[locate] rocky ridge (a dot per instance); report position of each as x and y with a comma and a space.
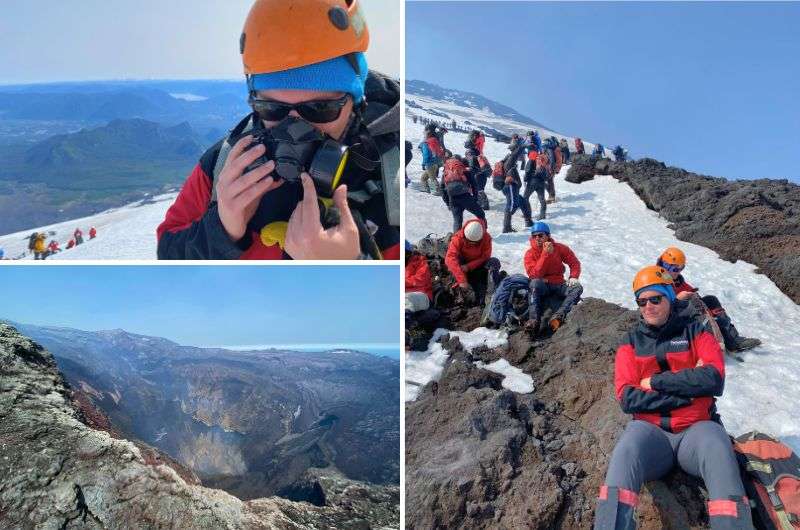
58, 472
757, 221
481, 456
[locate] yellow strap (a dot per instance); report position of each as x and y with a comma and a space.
274, 233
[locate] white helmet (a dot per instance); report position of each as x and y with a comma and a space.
473, 231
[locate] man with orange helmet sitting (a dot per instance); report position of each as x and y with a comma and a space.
312, 172
667, 372
674, 261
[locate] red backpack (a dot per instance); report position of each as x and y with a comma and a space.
454, 170
771, 477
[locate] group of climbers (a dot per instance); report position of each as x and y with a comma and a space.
540, 160
41, 250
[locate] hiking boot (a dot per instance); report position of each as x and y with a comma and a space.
483, 200
528, 222
744, 344
541, 216
424, 187
555, 323
532, 327
507, 228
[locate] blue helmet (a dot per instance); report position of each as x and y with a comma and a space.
540, 227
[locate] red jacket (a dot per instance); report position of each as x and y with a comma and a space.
579, 146
550, 267
418, 276
53, 246
191, 230
682, 286
435, 147
479, 141
532, 155
686, 369
92, 233
559, 158
461, 251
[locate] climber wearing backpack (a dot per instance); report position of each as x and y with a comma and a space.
599, 151
537, 177
460, 187
668, 370
469, 259
619, 154
432, 156
313, 171
484, 171
674, 261
511, 187
579, 149
549, 148
564, 150
39, 247
544, 264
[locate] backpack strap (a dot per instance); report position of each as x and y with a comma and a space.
243, 127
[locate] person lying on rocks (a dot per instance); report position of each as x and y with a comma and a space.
667, 372
674, 261
469, 259
544, 264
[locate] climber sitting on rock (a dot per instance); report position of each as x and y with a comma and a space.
544, 264
667, 372
469, 259
674, 260
420, 318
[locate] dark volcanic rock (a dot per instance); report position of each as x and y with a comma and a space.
480, 456
57, 472
757, 221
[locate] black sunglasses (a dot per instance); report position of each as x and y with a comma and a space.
540, 234
315, 111
655, 300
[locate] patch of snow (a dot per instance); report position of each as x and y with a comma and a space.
423, 367
515, 379
124, 233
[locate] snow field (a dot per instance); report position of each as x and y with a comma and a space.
124, 233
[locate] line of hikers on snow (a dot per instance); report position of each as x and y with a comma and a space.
41, 251
669, 368
463, 181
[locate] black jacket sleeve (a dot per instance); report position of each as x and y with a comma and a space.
691, 382
637, 400
203, 239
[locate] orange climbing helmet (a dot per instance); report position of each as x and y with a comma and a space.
286, 35
674, 258
651, 275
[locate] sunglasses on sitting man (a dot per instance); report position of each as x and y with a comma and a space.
671, 268
315, 111
655, 300
540, 235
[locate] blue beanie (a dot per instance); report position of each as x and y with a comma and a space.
666, 290
334, 75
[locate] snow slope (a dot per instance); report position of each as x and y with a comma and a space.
614, 235
125, 233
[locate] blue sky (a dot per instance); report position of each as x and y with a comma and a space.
710, 86
211, 305
51, 40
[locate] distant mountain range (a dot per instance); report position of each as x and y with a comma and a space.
251, 423
467, 99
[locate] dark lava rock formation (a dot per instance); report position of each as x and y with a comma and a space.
481, 456
757, 221
57, 471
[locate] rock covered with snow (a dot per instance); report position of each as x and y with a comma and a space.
757, 221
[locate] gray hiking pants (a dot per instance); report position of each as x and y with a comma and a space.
431, 174
646, 452
540, 288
